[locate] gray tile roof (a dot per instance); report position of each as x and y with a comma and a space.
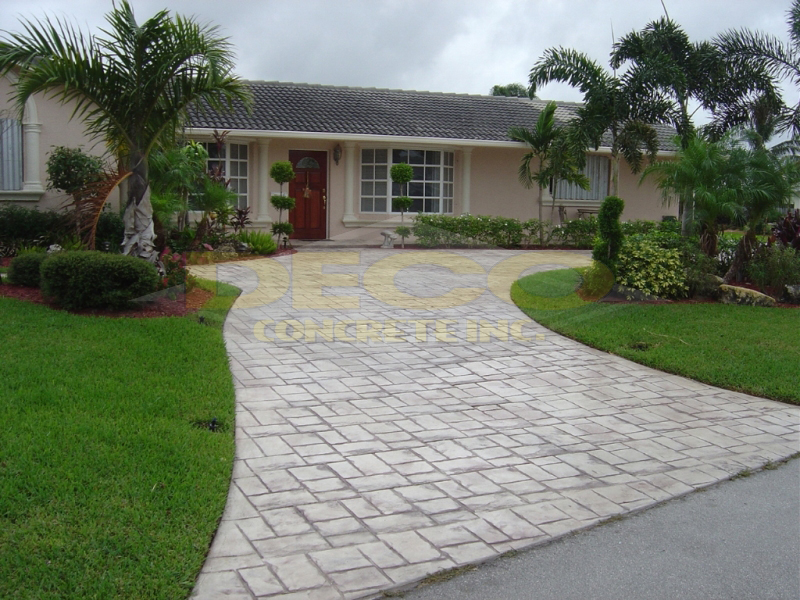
306, 108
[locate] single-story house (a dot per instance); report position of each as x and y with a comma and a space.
342, 142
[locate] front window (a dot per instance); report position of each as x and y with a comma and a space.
230, 160
10, 154
431, 188
596, 170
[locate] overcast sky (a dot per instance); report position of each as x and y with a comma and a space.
463, 46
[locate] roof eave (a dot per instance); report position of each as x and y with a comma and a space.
380, 139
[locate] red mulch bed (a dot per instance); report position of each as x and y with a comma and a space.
162, 307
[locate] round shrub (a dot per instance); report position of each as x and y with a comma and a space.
402, 173
282, 229
645, 266
97, 279
283, 202
24, 270
401, 203
281, 171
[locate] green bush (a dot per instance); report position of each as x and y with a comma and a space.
578, 232
283, 202
280, 229
96, 279
281, 172
645, 266
21, 226
433, 230
774, 267
534, 231
401, 203
72, 170
111, 230
259, 242
24, 270
610, 237
402, 173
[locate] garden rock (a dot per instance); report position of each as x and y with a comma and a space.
793, 294
389, 237
709, 286
731, 294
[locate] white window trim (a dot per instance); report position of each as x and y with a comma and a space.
241, 142
389, 164
32, 188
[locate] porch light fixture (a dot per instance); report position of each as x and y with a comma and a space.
337, 154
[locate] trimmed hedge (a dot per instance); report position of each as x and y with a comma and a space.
24, 270
433, 230
96, 279
22, 226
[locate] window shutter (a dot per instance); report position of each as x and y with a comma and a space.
10, 154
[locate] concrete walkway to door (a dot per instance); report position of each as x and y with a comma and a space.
398, 416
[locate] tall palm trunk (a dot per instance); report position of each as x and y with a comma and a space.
614, 174
138, 219
541, 223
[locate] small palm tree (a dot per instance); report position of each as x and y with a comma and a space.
621, 106
132, 88
557, 158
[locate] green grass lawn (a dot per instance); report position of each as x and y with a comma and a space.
108, 488
743, 348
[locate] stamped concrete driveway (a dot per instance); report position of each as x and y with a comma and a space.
397, 416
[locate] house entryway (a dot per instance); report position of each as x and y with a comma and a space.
309, 189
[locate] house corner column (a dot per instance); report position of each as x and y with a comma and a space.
263, 182
466, 178
350, 165
30, 167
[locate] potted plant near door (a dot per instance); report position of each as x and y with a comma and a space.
282, 172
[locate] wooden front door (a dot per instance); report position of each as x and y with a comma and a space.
309, 189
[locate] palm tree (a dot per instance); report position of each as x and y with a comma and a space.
558, 160
132, 88
752, 50
710, 177
622, 106
772, 180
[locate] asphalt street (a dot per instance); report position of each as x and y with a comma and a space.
738, 540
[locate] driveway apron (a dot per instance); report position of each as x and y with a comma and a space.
397, 415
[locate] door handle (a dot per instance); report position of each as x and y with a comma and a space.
324, 199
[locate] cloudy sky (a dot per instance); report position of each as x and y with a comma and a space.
462, 46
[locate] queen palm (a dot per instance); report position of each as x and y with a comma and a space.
753, 50
131, 87
623, 107
557, 158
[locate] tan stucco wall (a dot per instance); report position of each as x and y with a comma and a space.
494, 185
57, 129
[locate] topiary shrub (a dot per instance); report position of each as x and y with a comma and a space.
96, 280
281, 172
645, 266
24, 270
610, 236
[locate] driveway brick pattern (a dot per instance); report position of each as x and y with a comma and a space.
369, 464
